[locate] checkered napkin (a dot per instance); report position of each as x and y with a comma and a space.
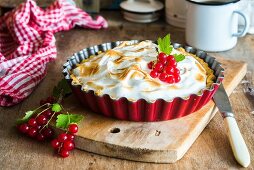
27, 44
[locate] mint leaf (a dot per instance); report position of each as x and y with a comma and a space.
179, 57
165, 45
63, 120
27, 116
56, 107
159, 41
62, 88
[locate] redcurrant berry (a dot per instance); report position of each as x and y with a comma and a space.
162, 57
32, 132
177, 71
73, 128
172, 63
62, 137
154, 74
164, 62
38, 127
177, 78
23, 128
48, 113
64, 153
70, 137
32, 122
158, 67
48, 132
150, 65
169, 70
163, 76
41, 120
55, 144
171, 60
40, 137
68, 145
170, 79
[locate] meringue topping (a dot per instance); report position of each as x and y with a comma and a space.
123, 72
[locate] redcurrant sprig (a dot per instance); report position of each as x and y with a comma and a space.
64, 143
37, 125
165, 68
36, 122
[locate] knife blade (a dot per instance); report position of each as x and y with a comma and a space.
236, 140
222, 101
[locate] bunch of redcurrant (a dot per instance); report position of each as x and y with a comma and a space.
37, 123
37, 126
64, 143
165, 68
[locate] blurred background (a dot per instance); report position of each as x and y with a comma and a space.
91, 6
140, 11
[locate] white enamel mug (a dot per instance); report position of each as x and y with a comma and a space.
213, 25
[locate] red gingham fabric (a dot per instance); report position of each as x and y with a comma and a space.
27, 44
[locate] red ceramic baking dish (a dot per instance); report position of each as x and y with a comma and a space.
142, 110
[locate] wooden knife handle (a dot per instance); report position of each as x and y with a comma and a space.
237, 143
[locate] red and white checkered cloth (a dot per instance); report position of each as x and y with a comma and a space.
27, 44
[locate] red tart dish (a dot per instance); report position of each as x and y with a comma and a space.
117, 80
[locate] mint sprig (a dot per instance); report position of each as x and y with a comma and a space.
164, 45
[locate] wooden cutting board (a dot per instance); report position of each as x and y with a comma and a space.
159, 142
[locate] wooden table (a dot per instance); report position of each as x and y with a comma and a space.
210, 151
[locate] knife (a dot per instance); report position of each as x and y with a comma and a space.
236, 140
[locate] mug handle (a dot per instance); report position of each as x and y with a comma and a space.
246, 24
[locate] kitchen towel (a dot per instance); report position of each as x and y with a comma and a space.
27, 44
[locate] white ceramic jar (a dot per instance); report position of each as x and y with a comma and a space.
141, 11
175, 12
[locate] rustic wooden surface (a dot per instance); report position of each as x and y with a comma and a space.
157, 142
211, 150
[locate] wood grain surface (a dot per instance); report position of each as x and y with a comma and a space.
211, 150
